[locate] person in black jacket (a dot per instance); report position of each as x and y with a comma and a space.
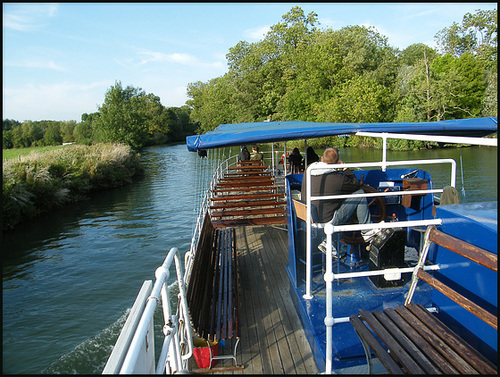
335, 180
295, 160
244, 155
311, 156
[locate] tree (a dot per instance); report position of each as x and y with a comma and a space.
121, 117
9, 124
357, 100
212, 102
477, 35
67, 131
324, 69
414, 84
52, 135
7, 139
459, 87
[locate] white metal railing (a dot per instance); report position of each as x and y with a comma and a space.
178, 336
309, 198
216, 173
330, 229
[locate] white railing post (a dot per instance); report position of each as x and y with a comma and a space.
329, 302
384, 151
171, 351
308, 294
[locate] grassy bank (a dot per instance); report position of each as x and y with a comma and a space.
9, 154
35, 183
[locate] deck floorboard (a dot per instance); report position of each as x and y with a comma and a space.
272, 338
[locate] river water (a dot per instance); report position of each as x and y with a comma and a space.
70, 277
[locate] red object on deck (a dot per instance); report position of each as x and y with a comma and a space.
202, 352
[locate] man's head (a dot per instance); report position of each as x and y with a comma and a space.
330, 156
255, 148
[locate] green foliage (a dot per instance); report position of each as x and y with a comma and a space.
130, 116
477, 35
298, 72
37, 133
35, 183
120, 117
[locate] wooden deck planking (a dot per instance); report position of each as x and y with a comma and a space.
272, 338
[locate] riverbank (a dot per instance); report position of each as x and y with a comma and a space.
35, 183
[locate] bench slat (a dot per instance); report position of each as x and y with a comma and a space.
236, 306
472, 307
229, 248
397, 351
428, 349
405, 342
373, 343
465, 249
423, 324
215, 285
247, 178
478, 361
240, 197
248, 203
218, 190
271, 220
212, 291
249, 167
250, 212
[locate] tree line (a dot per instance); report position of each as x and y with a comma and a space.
299, 72
128, 115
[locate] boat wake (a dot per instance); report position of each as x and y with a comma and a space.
90, 356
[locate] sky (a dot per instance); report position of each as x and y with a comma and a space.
59, 59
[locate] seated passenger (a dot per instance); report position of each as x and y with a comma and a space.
244, 155
337, 181
295, 160
311, 156
256, 155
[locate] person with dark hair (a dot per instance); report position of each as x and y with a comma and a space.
336, 180
244, 155
295, 160
256, 155
311, 156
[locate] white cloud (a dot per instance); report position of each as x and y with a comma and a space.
257, 33
421, 14
36, 64
182, 59
61, 101
27, 17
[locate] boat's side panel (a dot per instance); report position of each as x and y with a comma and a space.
474, 223
146, 360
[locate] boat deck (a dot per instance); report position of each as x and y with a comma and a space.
272, 340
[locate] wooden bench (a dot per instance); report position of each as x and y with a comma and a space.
412, 340
212, 292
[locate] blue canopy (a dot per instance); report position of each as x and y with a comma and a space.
226, 135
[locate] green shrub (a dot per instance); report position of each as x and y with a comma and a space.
35, 183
